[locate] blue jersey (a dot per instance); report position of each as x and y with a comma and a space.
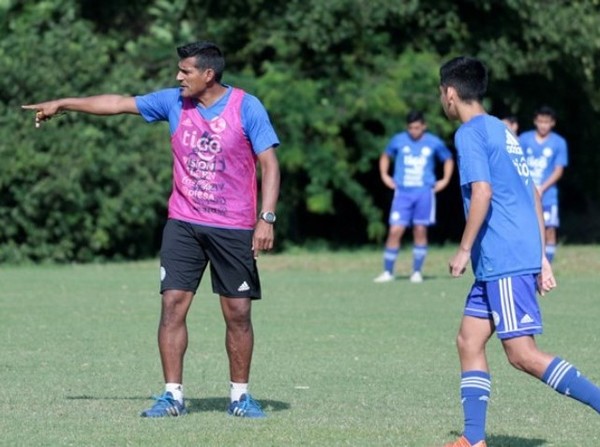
543, 158
166, 105
509, 241
415, 159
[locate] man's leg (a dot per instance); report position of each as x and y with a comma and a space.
419, 251
475, 383
523, 354
239, 343
390, 252
550, 234
172, 333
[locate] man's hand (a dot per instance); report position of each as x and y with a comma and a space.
545, 279
458, 263
263, 238
44, 111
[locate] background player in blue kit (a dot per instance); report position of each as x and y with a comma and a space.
503, 239
547, 156
414, 152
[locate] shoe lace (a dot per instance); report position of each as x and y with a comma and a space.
249, 403
163, 401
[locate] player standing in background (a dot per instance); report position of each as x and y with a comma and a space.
503, 238
415, 152
218, 133
512, 123
547, 157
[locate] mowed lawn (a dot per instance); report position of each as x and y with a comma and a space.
339, 360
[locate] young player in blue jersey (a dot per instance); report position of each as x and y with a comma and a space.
547, 157
414, 152
503, 238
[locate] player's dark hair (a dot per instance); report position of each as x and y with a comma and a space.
510, 118
207, 54
414, 116
467, 75
545, 110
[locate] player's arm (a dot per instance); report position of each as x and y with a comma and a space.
95, 105
481, 197
545, 279
448, 169
384, 171
264, 234
552, 179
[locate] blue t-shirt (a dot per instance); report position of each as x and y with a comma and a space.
543, 158
414, 160
166, 105
509, 241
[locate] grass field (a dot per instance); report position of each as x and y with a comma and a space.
339, 361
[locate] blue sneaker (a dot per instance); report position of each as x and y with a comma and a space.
246, 407
165, 406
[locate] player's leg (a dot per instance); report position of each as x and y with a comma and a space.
563, 377
518, 320
235, 278
475, 330
419, 252
182, 264
398, 222
423, 216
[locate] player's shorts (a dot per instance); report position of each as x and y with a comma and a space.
188, 248
510, 302
551, 216
413, 207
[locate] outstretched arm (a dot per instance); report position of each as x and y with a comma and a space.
95, 105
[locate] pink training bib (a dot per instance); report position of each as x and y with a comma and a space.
214, 168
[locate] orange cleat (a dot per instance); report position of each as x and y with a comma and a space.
463, 442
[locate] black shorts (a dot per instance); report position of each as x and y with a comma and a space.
188, 248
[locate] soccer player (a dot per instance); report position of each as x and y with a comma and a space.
218, 133
415, 152
503, 239
547, 157
512, 123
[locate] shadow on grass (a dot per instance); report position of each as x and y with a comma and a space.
196, 405
508, 441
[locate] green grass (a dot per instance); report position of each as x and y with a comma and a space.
338, 360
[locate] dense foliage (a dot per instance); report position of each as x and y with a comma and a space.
337, 77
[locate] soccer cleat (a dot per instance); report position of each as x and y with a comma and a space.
246, 407
165, 406
416, 277
464, 442
384, 277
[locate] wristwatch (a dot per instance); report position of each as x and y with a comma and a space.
268, 217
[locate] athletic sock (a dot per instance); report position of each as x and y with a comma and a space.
236, 390
389, 259
567, 380
550, 251
176, 389
475, 388
419, 254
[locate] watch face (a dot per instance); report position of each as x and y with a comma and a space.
268, 217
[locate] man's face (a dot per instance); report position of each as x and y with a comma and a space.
192, 81
416, 129
543, 124
445, 98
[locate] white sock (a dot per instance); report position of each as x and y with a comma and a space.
236, 390
176, 389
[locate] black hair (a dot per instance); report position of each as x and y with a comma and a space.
545, 110
415, 115
510, 118
468, 75
207, 54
